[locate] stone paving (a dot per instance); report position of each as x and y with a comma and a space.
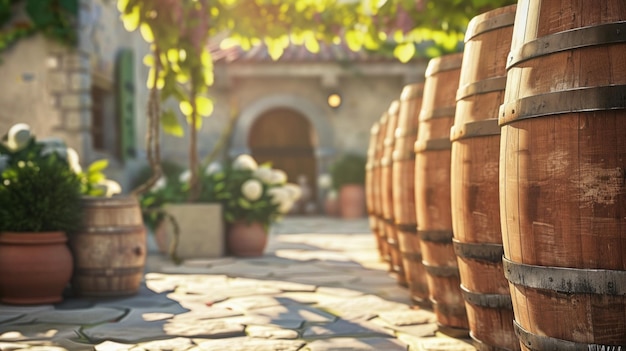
320, 286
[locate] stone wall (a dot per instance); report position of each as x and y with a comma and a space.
49, 85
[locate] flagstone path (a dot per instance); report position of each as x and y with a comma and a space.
320, 286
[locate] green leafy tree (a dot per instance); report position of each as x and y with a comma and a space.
182, 66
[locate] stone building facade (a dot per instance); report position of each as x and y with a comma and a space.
281, 106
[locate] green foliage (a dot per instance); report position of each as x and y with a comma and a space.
181, 65
54, 18
349, 169
38, 191
227, 189
94, 176
224, 184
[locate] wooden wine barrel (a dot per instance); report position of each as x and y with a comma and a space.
370, 183
562, 174
432, 190
474, 193
403, 180
395, 264
377, 189
110, 248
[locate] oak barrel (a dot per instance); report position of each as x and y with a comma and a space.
377, 190
562, 174
403, 179
370, 183
386, 175
475, 138
110, 248
432, 190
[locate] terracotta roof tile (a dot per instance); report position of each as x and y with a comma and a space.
297, 53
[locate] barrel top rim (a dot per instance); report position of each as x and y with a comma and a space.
501, 12
444, 63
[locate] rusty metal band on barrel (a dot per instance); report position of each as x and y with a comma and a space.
433, 145
487, 300
436, 236
567, 101
412, 256
478, 25
406, 156
481, 87
442, 271
479, 251
538, 342
407, 228
475, 129
602, 34
566, 280
440, 112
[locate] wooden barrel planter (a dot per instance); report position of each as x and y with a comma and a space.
432, 191
386, 175
377, 207
562, 170
110, 248
370, 184
474, 194
403, 180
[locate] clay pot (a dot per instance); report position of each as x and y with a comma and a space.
35, 268
352, 201
246, 240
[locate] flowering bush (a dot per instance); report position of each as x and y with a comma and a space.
254, 193
41, 183
246, 190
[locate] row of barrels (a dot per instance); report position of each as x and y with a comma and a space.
496, 188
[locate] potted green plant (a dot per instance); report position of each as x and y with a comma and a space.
253, 197
348, 178
39, 204
183, 228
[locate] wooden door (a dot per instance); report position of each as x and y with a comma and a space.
286, 139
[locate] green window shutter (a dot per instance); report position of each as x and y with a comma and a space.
125, 97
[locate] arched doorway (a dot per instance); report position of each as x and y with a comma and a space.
286, 139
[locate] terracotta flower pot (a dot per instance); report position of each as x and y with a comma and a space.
246, 240
35, 268
352, 201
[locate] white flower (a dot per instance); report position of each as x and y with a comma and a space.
279, 195
110, 187
185, 176
18, 136
212, 168
73, 160
264, 174
245, 162
285, 206
159, 184
113, 187
294, 190
278, 177
324, 181
252, 189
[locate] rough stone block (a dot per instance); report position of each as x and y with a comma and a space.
80, 81
75, 101
201, 229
